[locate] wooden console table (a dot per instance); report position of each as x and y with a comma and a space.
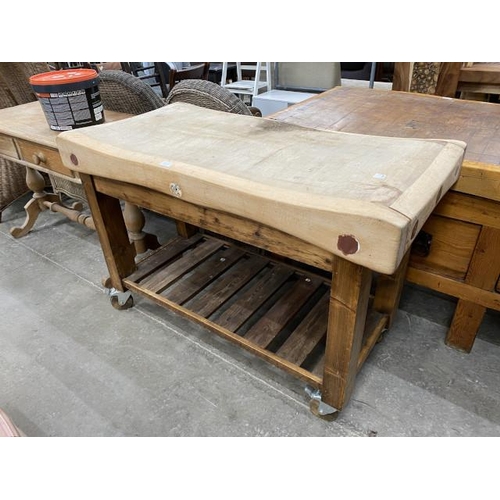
328, 208
459, 253
26, 138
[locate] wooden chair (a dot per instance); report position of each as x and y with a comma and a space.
195, 72
251, 85
154, 74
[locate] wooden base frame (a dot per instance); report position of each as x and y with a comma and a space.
318, 326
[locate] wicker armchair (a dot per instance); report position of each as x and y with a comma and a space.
207, 94
15, 89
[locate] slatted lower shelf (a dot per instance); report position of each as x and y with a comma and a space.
277, 311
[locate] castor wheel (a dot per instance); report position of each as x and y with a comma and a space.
314, 406
119, 304
318, 407
120, 300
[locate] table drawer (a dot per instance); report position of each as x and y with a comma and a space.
44, 157
450, 249
8, 147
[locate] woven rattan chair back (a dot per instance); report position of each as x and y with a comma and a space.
207, 94
125, 93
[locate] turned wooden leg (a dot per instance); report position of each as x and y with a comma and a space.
349, 299
135, 221
35, 182
483, 273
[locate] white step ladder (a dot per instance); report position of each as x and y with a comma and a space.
250, 87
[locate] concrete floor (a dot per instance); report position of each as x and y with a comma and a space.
71, 365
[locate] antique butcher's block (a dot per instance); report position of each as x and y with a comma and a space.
329, 208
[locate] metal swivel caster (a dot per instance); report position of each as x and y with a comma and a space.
318, 407
120, 300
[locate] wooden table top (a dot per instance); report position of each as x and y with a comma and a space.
405, 114
316, 185
28, 122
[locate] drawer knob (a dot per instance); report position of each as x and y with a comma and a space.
39, 158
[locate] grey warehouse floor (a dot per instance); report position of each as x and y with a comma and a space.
72, 365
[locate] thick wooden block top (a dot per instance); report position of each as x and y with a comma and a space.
361, 197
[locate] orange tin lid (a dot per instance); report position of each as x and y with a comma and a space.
63, 76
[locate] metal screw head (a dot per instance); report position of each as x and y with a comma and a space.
175, 189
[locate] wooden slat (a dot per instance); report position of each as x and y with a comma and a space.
307, 335
161, 256
161, 279
226, 286
250, 300
202, 275
481, 179
281, 313
470, 209
283, 364
454, 288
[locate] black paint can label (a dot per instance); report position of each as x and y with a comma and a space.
70, 99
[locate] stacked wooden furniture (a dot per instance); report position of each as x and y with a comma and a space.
475, 81
459, 251
329, 209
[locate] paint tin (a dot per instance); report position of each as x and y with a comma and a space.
69, 98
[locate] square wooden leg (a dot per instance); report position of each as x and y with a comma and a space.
118, 252
483, 273
349, 299
389, 289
